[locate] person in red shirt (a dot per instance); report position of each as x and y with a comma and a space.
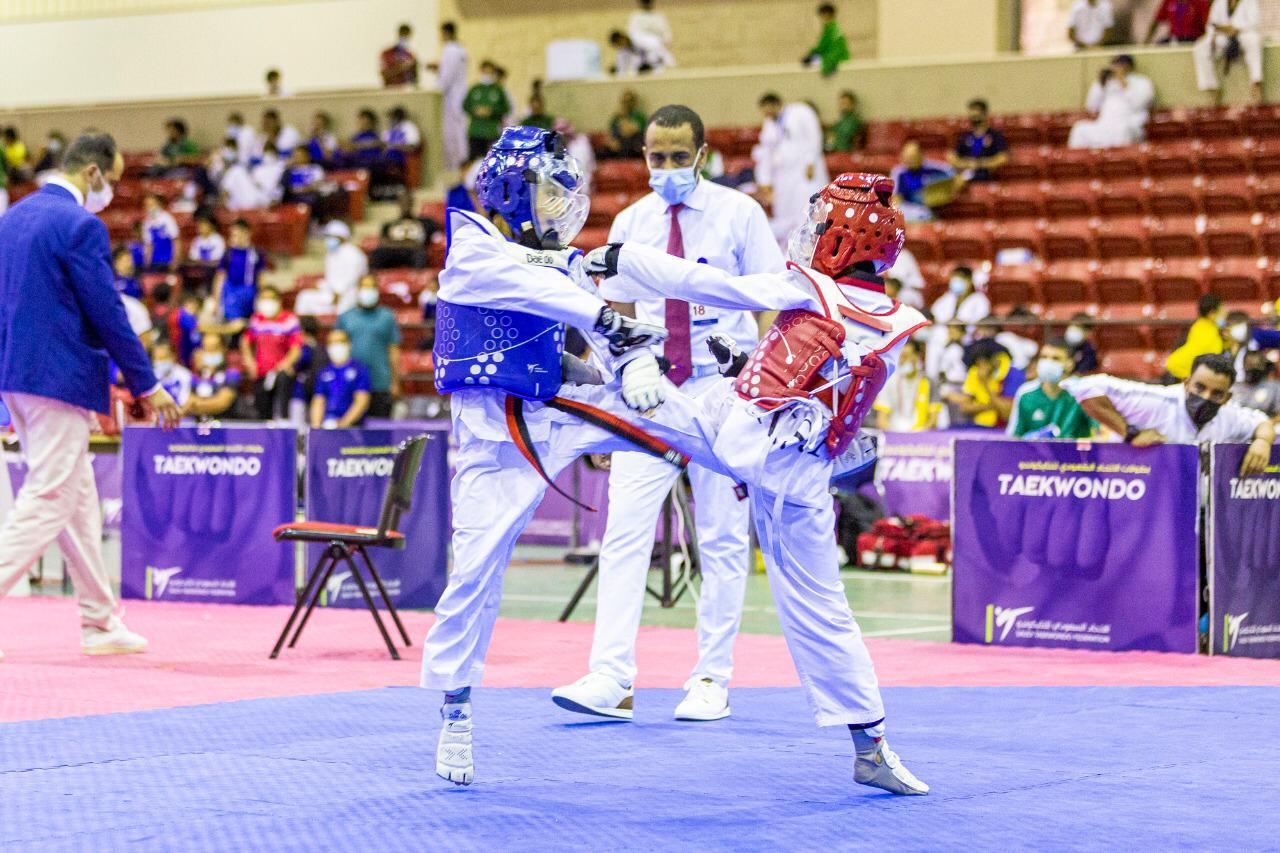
397, 64
1186, 20
271, 347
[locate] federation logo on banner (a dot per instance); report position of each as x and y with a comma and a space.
1003, 618
1231, 630
158, 580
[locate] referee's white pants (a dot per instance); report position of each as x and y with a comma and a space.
58, 500
638, 485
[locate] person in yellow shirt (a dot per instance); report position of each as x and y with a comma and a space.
1204, 337
15, 150
906, 404
987, 394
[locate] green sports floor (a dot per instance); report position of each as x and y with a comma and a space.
887, 604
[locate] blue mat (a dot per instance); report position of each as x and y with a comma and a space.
1043, 768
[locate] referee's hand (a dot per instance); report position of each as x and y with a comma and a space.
166, 411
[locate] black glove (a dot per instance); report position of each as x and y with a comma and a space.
624, 333
729, 359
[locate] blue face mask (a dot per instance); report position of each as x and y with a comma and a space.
674, 185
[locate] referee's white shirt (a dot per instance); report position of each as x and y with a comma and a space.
1164, 408
721, 227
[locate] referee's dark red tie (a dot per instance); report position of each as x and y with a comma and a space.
678, 349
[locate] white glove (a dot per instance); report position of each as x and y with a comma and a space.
643, 387
602, 261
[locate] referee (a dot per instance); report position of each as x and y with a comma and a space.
60, 320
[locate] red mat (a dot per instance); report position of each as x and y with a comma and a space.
216, 653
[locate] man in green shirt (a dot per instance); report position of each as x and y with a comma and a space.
485, 104
375, 343
1042, 409
849, 130
831, 48
179, 149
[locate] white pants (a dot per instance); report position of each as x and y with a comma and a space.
1109, 132
1212, 44
58, 500
495, 492
453, 128
4, 200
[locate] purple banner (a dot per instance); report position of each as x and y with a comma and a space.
347, 475
554, 520
1245, 569
199, 508
913, 475
106, 474
1075, 545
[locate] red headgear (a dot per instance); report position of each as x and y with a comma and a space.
850, 220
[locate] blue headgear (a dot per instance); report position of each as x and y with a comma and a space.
529, 180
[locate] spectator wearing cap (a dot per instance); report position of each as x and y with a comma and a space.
344, 264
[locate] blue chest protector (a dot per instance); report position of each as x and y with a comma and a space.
492, 348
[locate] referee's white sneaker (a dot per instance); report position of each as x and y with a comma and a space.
453, 750
596, 694
118, 641
879, 766
704, 702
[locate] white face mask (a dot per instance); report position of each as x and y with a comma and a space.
1240, 332
332, 243
1074, 335
367, 297
338, 352
268, 307
487, 79
1049, 370
958, 285
97, 199
163, 368
211, 360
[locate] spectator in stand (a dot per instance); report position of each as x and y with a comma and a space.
1203, 338
1089, 23
537, 116
344, 264
173, 377
500, 77
1120, 99
139, 320
204, 255
235, 286
986, 399
137, 246
462, 195
579, 145
1236, 338
452, 74
1185, 21
627, 60
160, 234
270, 349
962, 303
15, 153
342, 394
305, 182
1084, 357
375, 343
1259, 389
366, 143
911, 177
397, 64
485, 105
179, 150
1042, 409
789, 163
402, 140
849, 133
911, 281
236, 185
322, 143
1191, 412
285, 136
183, 326
51, 153
275, 84
906, 403
247, 146
626, 128
215, 386
831, 49
1233, 34
126, 274
1022, 349
268, 174
981, 150
403, 242
651, 34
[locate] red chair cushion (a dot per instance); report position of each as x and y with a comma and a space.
326, 531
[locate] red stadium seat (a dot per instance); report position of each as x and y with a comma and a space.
1057, 126
402, 286
1260, 121
605, 207
1169, 336
1016, 201
1269, 236
1235, 234
1164, 126
1266, 157
1173, 237
1121, 337
1070, 199
1237, 280
1266, 194
432, 210
1022, 130
1133, 364
1130, 312
1021, 234
922, 241
1122, 237
1177, 280
1123, 281
1226, 194
885, 137
1172, 159
1020, 169
1069, 238
1069, 164
621, 175
1121, 198
973, 203
1271, 280
1013, 285
1067, 281
1064, 311
964, 241
1226, 157
1214, 123
1125, 162
1178, 196
591, 238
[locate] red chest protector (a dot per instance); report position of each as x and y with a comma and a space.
787, 365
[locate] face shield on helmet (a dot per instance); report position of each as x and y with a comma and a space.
804, 238
560, 206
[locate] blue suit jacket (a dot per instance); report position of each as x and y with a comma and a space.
60, 317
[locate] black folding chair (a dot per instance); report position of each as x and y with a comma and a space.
346, 540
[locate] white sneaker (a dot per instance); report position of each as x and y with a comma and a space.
595, 693
118, 641
704, 702
880, 767
453, 751
1, 657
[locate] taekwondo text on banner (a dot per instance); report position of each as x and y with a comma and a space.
1245, 554
913, 474
347, 475
199, 508
1075, 545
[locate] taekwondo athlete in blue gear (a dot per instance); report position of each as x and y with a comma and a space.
509, 287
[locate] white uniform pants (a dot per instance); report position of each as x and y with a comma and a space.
1212, 44
58, 500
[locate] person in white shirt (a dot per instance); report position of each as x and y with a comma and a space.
651, 34
1230, 21
1089, 22
703, 221
1195, 411
173, 377
627, 60
268, 174
451, 71
139, 320
906, 269
962, 303
275, 84
285, 136
789, 162
579, 147
247, 146
401, 133
236, 185
1121, 101
344, 266
208, 247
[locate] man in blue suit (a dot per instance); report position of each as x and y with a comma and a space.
60, 319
